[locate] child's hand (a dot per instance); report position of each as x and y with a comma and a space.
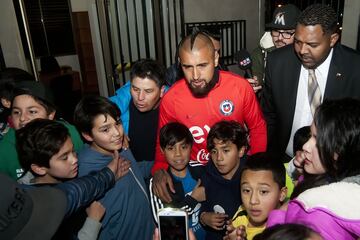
95, 211
126, 140
230, 230
214, 220
119, 165
299, 161
198, 192
233, 233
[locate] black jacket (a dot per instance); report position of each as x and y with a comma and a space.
278, 99
220, 194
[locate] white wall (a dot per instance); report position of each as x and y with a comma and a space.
80, 5
350, 23
10, 37
216, 10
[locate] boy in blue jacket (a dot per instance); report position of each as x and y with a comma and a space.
128, 213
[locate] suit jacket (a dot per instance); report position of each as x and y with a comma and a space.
281, 83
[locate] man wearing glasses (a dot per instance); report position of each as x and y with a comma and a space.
280, 33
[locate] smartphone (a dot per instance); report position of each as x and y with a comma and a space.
173, 224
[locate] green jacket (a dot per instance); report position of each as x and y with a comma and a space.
9, 161
259, 55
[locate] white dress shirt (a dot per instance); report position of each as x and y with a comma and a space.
302, 115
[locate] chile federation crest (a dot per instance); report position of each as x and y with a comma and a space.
226, 107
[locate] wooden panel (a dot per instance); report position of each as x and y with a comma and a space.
81, 18
85, 52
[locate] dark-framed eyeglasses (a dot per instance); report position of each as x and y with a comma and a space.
286, 35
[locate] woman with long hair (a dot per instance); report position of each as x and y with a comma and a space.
328, 198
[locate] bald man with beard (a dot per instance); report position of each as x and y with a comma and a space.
203, 97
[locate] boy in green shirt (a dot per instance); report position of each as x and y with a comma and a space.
31, 101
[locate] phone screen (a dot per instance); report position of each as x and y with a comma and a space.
172, 227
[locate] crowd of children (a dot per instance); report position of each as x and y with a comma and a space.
235, 196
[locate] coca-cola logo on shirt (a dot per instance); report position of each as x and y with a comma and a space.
202, 158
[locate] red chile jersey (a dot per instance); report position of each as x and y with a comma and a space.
232, 98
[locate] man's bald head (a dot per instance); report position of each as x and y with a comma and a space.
195, 42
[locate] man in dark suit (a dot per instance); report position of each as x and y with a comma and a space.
290, 95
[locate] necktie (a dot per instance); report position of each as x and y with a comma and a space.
314, 93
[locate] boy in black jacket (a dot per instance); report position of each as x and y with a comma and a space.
227, 144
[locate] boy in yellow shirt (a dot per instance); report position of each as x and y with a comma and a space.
262, 190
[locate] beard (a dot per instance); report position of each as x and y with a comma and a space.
200, 92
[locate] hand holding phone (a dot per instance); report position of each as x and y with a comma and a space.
173, 224
214, 220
